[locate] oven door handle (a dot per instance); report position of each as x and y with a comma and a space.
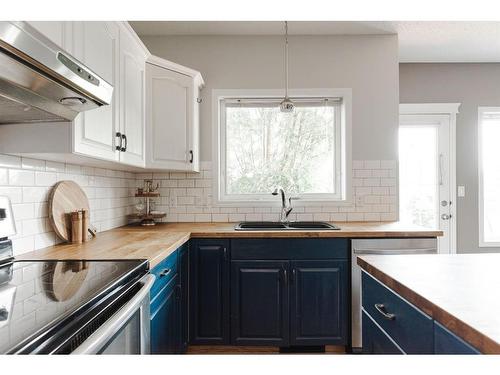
102, 335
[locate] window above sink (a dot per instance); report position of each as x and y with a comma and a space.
257, 147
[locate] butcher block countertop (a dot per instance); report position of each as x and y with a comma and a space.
459, 291
157, 242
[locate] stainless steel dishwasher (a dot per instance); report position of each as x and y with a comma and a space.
382, 246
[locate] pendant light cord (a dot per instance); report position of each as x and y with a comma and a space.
286, 59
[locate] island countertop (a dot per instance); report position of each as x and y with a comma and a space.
157, 242
459, 291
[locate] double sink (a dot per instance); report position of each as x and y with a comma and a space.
292, 225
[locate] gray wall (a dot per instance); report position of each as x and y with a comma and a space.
367, 64
472, 85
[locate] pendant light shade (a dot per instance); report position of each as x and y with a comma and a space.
286, 105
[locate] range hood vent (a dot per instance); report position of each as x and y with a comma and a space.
40, 82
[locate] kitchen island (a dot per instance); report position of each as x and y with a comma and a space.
457, 292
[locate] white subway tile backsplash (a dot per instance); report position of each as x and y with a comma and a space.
27, 163
10, 161
20, 177
374, 196
4, 176
27, 182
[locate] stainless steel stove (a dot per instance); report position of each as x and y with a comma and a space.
71, 306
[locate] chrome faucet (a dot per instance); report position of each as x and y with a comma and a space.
286, 208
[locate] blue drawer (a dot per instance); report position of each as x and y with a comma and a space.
375, 340
290, 249
163, 295
164, 272
410, 328
446, 342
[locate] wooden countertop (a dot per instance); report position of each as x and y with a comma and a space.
157, 242
349, 230
459, 291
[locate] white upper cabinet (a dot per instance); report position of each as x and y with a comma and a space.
58, 32
96, 44
132, 115
172, 116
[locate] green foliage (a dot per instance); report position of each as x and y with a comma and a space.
267, 148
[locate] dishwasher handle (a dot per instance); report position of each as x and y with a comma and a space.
394, 251
101, 336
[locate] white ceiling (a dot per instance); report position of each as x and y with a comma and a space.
419, 41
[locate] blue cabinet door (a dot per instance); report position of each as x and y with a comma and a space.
165, 314
446, 342
259, 303
319, 302
375, 340
184, 297
209, 291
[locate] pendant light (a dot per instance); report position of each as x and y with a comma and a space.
286, 105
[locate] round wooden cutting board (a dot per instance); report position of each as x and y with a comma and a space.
65, 197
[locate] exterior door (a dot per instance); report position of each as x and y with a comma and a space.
425, 174
259, 303
319, 305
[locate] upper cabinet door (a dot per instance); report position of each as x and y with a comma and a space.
96, 44
132, 121
171, 118
58, 32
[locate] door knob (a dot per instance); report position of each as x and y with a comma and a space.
445, 217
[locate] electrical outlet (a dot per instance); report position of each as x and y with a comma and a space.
461, 191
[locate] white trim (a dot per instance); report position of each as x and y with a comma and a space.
346, 162
429, 108
480, 112
450, 109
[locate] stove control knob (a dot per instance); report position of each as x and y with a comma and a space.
4, 314
3, 213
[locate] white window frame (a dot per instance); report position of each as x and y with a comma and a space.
481, 111
343, 157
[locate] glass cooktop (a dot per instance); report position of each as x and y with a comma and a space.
38, 295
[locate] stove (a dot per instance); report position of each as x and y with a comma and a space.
71, 306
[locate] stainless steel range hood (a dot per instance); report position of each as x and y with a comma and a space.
40, 82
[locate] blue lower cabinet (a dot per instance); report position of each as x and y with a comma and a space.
165, 314
319, 311
403, 322
446, 342
259, 303
375, 340
183, 266
209, 291
392, 325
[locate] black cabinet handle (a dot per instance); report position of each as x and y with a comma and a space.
119, 136
381, 309
192, 156
165, 272
124, 148
224, 251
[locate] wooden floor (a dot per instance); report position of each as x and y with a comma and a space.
220, 349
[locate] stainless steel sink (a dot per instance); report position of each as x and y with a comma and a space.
292, 225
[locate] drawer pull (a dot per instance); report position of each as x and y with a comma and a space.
381, 309
165, 272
